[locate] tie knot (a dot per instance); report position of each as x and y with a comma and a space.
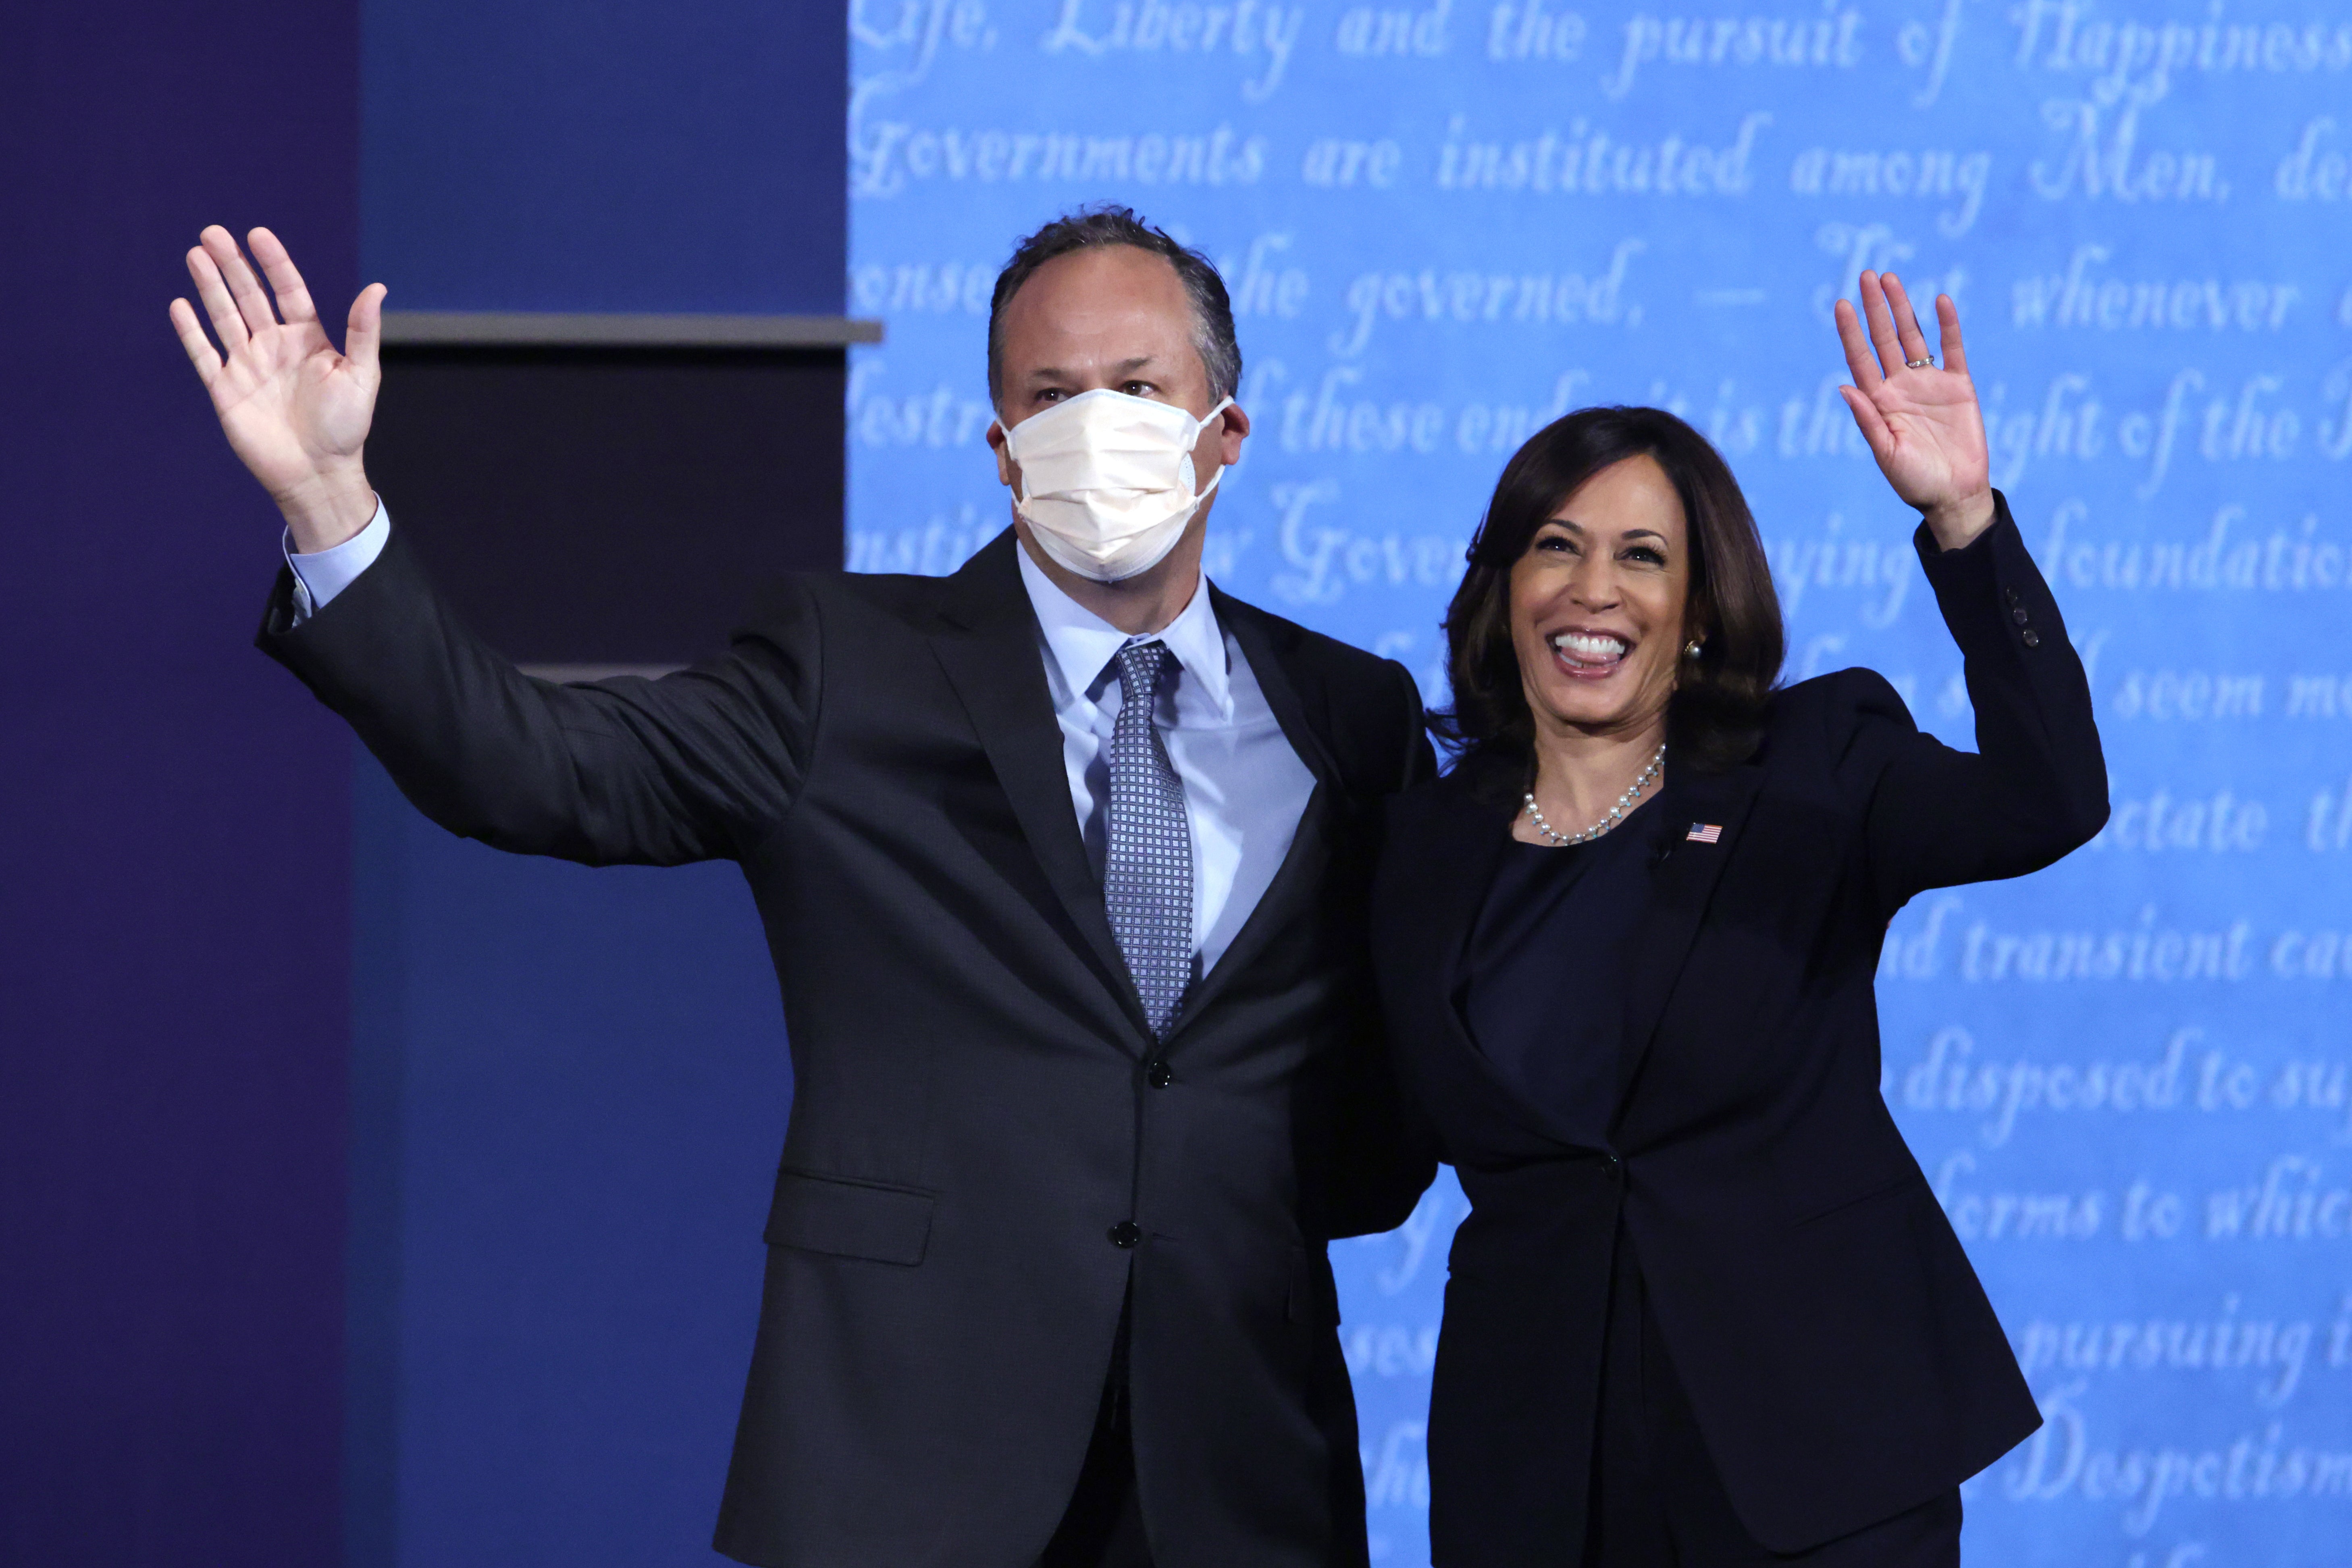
1140, 665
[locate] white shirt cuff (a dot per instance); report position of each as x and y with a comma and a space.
319, 578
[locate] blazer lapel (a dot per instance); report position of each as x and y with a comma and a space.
991, 654
1680, 890
1276, 678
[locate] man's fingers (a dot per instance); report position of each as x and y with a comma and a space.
201, 353
1883, 338
364, 333
1906, 319
277, 265
1873, 423
243, 286
213, 292
1859, 362
1947, 324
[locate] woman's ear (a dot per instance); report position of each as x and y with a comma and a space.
1694, 634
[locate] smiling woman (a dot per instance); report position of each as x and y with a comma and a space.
1617, 541
1706, 1307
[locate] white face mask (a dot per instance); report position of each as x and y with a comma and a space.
1107, 480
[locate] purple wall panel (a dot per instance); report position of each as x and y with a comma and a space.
175, 862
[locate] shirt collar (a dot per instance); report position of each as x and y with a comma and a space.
1083, 643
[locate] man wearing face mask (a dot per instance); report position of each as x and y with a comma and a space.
1063, 862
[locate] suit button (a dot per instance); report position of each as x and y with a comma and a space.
2032, 639
2014, 596
1159, 1076
1126, 1232
2017, 614
1614, 1166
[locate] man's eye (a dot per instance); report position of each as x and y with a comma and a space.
1139, 388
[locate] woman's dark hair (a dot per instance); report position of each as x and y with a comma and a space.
1716, 716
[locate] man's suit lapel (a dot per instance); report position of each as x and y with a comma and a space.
1269, 647
1280, 679
1680, 888
990, 652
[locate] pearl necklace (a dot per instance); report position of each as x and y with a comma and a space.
1616, 813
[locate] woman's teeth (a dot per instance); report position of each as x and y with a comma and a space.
1589, 649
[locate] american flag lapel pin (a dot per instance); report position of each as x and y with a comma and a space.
1705, 833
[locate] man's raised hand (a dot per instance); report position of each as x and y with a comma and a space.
1922, 423
295, 411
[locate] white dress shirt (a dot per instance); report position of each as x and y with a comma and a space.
1245, 787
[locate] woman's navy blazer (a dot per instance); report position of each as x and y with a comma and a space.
1837, 1348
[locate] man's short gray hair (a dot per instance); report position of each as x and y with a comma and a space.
1088, 227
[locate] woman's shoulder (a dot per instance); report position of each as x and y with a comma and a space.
1835, 707
1476, 790
1833, 721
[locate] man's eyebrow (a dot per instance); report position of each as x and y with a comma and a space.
1054, 373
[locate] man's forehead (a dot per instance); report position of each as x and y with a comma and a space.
1090, 293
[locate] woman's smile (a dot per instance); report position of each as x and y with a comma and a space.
1585, 654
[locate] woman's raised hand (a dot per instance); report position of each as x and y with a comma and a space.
295, 411
1922, 422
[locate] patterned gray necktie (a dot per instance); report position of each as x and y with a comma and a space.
1147, 871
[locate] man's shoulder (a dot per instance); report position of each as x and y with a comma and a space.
1343, 666
877, 600
1367, 707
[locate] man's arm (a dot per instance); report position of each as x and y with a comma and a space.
698, 765
1389, 1151
702, 763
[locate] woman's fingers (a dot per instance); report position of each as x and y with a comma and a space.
1948, 325
1882, 337
201, 353
1873, 423
285, 281
1907, 334
214, 291
1859, 362
252, 302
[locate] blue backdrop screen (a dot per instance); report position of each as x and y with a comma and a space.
2129, 1078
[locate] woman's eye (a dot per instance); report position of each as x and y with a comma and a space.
1646, 555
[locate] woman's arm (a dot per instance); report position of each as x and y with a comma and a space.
2036, 786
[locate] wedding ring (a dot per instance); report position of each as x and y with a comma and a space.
1919, 364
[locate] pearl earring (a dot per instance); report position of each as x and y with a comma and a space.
1690, 649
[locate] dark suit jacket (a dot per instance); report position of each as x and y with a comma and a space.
1838, 1352
977, 1099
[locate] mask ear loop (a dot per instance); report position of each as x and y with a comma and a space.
1218, 478
1020, 492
